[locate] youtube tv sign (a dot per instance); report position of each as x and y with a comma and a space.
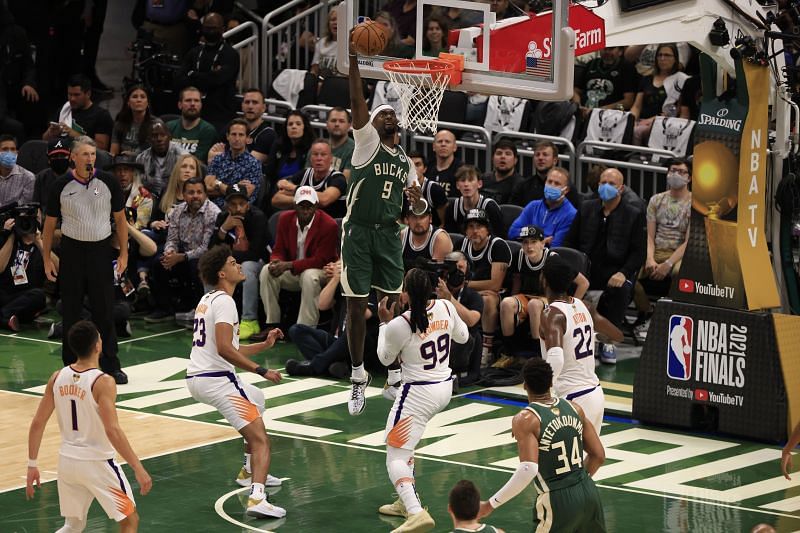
685, 285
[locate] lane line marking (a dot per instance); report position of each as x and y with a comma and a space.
15, 336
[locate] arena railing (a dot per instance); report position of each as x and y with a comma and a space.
249, 66
525, 142
478, 152
643, 177
318, 115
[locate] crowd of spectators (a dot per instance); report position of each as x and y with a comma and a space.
217, 172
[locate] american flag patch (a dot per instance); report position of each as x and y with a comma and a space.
537, 66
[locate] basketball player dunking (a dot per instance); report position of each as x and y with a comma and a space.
372, 254
84, 399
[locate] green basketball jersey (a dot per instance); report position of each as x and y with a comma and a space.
560, 445
375, 194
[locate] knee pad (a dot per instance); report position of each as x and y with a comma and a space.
72, 525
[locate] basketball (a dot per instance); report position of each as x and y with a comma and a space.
370, 38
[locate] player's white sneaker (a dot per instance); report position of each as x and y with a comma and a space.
244, 479
358, 400
390, 391
396, 508
417, 523
263, 509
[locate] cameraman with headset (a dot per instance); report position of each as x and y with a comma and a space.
465, 359
21, 267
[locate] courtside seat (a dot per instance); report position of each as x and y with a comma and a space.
510, 212
457, 239
33, 155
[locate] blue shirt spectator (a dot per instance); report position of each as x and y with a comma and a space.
234, 165
553, 213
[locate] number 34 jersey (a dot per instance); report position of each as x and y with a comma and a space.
423, 356
214, 307
578, 371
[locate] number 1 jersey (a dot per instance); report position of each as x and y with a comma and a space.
578, 343
214, 307
423, 356
83, 435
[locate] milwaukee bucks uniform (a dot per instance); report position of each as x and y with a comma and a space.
372, 254
567, 497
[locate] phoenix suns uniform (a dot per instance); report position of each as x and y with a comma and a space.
86, 465
210, 378
567, 497
372, 254
425, 361
577, 381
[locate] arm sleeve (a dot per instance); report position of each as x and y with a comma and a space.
391, 339
555, 357
460, 331
573, 234
367, 143
280, 251
253, 173
172, 231
522, 220
501, 252
522, 477
561, 230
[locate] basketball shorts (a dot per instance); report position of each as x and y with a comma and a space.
592, 403
372, 256
416, 403
522, 305
240, 403
576, 508
80, 482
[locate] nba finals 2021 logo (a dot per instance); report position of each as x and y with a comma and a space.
679, 347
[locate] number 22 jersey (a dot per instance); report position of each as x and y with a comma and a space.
423, 356
214, 307
578, 371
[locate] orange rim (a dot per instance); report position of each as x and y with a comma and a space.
420, 66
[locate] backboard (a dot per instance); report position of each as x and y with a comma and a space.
506, 51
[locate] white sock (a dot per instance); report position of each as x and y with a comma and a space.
257, 491
358, 373
394, 377
247, 462
408, 495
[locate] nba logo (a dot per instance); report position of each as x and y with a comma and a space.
679, 347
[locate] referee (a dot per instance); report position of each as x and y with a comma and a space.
85, 199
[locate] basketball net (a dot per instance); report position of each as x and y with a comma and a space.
420, 85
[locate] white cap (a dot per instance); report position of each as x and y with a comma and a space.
305, 194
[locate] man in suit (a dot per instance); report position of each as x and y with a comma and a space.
306, 241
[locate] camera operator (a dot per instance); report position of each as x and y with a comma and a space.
464, 358
21, 268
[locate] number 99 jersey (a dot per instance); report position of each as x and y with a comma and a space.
214, 307
423, 356
578, 343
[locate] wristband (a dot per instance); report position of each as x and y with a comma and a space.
32, 463
260, 370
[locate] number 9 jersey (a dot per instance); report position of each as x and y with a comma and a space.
214, 307
423, 356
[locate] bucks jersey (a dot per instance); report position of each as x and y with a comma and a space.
379, 176
578, 344
83, 435
560, 445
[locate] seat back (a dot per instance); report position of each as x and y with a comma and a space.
273, 226
33, 155
576, 258
457, 239
510, 212
671, 133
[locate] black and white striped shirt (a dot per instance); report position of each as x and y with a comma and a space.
85, 208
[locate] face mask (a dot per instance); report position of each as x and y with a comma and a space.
551, 193
59, 165
607, 192
211, 36
676, 181
8, 159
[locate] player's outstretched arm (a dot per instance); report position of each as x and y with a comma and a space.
226, 350
358, 104
39, 422
524, 428
551, 330
105, 393
595, 453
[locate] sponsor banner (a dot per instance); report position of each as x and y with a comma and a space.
726, 263
711, 368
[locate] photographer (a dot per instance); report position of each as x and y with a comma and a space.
464, 358
21, 268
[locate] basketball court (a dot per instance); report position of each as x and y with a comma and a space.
334, 465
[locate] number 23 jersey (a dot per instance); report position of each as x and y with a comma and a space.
423, 356
578, 371
214, 307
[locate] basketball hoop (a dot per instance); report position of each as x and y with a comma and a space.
420, 84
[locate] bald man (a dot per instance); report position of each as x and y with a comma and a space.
442, 168
613, 233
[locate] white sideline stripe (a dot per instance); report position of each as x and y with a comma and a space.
151, 336
15, 336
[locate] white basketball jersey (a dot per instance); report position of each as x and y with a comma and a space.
423, 356
83, 435
214, 307
578, 371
